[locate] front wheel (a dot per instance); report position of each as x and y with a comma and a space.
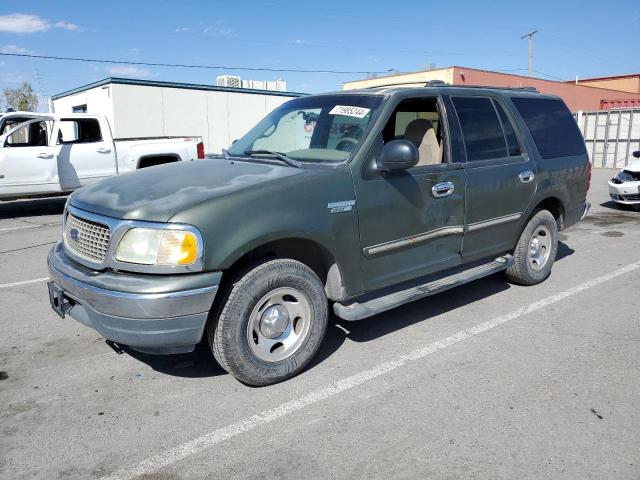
271, 323
535, 251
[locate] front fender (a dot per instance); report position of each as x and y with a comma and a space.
290, 208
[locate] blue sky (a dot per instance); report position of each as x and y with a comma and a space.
585, 38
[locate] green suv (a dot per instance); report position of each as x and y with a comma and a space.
358, 201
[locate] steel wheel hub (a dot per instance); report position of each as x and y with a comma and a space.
540, 248
274, 321
279, 323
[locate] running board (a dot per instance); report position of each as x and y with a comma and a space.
358, 311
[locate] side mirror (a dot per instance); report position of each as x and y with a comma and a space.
636, 154
398, 155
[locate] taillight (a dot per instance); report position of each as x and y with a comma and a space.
200, 148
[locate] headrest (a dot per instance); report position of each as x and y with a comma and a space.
416, 130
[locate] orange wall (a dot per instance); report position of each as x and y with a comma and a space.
577, 97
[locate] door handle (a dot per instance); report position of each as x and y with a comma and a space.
103, 150
443, 189
45, 155
526, 176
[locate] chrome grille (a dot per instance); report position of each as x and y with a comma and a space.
86, 239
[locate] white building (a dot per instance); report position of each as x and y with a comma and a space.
142, 108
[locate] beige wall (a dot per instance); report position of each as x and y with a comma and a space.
419, 78
626, 84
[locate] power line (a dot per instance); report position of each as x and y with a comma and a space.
535, 71
182, 65
550, 76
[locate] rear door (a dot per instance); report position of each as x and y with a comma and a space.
411, 221
84, 154
500, 176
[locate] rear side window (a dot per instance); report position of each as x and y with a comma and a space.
82, 130
552, 126
509, 133
483, 137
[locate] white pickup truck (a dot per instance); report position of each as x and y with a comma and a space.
44, 154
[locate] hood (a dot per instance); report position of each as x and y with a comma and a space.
158, 193
634, 165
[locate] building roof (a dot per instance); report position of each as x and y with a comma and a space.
610, 77
187, 86
398, 74
496, 72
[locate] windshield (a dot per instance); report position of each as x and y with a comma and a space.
11, 122
323, 128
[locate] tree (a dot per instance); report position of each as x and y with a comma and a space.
21, 98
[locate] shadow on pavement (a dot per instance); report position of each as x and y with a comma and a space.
201, 363
564, 251
420, 311
197, 364
618, 206
32, 207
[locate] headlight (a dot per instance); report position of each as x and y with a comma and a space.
151, 246
625, 176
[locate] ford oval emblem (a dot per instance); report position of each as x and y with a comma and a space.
74, 234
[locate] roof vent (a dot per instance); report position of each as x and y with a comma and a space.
435, 83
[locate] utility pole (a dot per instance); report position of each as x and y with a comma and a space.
530, 37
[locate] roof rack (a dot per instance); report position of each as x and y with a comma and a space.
441, 83
418, 84
523, 89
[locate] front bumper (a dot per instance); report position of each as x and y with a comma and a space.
151, 313
626, 193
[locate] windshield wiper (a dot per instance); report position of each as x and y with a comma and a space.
279, 155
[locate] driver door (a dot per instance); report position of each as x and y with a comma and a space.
409, 225
28, 163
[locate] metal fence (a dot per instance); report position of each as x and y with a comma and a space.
610, 135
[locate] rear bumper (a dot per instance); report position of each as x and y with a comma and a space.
153, 313
574, 215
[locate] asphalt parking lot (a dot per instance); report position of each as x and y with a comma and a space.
488, 380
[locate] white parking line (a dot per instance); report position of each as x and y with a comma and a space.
24, 282
25, 227
208, 440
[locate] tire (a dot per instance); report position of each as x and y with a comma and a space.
535, 251
245, 336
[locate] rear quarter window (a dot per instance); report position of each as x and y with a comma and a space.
552, 127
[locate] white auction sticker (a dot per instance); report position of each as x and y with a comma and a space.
358, 112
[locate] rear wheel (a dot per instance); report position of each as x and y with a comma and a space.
535, 251
271, 323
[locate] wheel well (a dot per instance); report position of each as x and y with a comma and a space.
554, 206
154, 160
312, 254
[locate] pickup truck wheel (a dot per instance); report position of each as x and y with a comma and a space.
271, 324
536, 250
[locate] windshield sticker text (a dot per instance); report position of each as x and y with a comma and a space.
358, 112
